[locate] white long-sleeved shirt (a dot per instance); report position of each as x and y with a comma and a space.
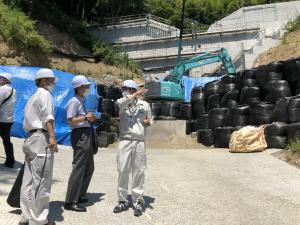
132, 114
7, 109
39, 110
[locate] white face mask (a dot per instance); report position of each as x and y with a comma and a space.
86, 92
50, 87
125, 93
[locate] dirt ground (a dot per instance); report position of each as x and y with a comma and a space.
183, 187
292, 158
288, 48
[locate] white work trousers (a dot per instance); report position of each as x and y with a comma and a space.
37, 179
131, 158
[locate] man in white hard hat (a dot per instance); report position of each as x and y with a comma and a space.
7, 104
39, 148
135, 115
81, 140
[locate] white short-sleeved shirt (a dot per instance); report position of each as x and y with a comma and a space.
75, 109
7, 109
39, 110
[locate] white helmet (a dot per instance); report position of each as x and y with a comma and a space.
129, 84
79, 81
6, 75
44, 73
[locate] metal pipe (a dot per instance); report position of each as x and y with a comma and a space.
181, 33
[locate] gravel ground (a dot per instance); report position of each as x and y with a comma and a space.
188, 186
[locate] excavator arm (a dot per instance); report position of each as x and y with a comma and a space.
202, 60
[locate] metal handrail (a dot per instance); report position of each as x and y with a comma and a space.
139, 40
154, 53
123, 19
234, 26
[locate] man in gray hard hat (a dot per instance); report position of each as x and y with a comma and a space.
135, 115
81, 140
39, 148
7, 104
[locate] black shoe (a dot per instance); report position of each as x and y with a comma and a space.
138, 209
74, 207
83, 200
121, 207
21, 223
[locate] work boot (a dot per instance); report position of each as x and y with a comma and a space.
121, 207
138, 209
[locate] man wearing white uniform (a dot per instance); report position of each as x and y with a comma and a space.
135, 115
7, 104
39, 148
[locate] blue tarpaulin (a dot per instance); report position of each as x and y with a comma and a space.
23, 82
190, 82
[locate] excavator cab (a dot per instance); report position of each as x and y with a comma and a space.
164, 90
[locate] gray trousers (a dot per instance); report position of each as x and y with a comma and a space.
131, 158
83, 165
37, 179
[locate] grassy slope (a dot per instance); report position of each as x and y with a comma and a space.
62, 41
289, 47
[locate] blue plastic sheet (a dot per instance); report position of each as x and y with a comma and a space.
23, 82
190, 82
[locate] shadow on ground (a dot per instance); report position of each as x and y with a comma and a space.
93, 198
16, 211
148, 201
56, 211
56, 207
17, 165
8, 175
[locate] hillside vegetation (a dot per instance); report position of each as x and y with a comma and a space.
54, 33
289, 46
27, 42
205, 12
102, 72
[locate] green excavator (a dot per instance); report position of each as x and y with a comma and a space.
171, 89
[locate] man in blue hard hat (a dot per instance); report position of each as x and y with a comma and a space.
7, 104
135, 116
